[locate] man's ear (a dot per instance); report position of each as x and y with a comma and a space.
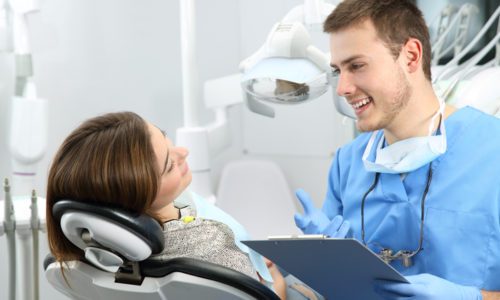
412, 54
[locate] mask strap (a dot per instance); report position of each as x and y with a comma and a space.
442, 145
440, 111
369, 146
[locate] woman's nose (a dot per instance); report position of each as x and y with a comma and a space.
182, 153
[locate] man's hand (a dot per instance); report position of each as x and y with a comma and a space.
426, 287
314, 221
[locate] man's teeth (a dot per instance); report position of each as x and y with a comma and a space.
361, 103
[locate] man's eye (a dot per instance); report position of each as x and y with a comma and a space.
335, 72
357, 66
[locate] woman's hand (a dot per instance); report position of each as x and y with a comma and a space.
279, 283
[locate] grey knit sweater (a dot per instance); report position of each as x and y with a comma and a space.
203, 239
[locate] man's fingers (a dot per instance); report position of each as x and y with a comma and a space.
333, 227
394, 288
305, 200
301, 221
344, 229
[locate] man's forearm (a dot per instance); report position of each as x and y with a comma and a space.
490, 295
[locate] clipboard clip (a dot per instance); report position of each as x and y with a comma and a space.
297, 237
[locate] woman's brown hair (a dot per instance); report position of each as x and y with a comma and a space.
107, 159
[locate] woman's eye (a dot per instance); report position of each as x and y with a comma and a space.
171, 166
335, 72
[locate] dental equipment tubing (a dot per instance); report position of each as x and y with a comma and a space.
26, 225
469, 64
35, 225
9, 225
452, 66
462, 20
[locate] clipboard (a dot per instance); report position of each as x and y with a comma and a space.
335, 268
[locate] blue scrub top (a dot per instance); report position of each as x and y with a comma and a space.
462, 208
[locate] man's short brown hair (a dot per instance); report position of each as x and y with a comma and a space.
394, 20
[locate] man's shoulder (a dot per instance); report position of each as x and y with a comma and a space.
471, 113
475, 121
471, 131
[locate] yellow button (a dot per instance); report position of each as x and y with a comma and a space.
188, 219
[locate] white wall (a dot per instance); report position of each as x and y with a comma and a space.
92, 57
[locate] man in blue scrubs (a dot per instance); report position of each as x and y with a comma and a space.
421, 185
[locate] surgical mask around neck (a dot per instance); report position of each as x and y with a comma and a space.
409, 154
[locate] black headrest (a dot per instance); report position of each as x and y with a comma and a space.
144, 226
49, 259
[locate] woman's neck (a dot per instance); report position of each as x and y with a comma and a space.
167, 213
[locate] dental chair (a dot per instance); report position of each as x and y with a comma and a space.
117, 264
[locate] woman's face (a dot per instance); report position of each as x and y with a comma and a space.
175, 175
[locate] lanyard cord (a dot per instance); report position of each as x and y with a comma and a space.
375, 181
422, 209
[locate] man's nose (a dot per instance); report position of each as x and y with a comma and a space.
345, 86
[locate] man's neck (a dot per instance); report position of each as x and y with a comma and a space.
415, 118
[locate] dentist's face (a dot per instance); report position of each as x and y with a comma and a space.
175, 175
373, 83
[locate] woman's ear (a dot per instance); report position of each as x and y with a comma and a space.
412, 53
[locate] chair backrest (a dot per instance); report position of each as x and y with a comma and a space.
100, 276
256, 193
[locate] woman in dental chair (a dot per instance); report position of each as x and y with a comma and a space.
121, 159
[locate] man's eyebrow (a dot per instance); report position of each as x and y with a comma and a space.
346, 61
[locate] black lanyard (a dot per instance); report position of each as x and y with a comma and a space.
404, 255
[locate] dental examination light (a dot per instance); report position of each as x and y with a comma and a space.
288, 68
27, 144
